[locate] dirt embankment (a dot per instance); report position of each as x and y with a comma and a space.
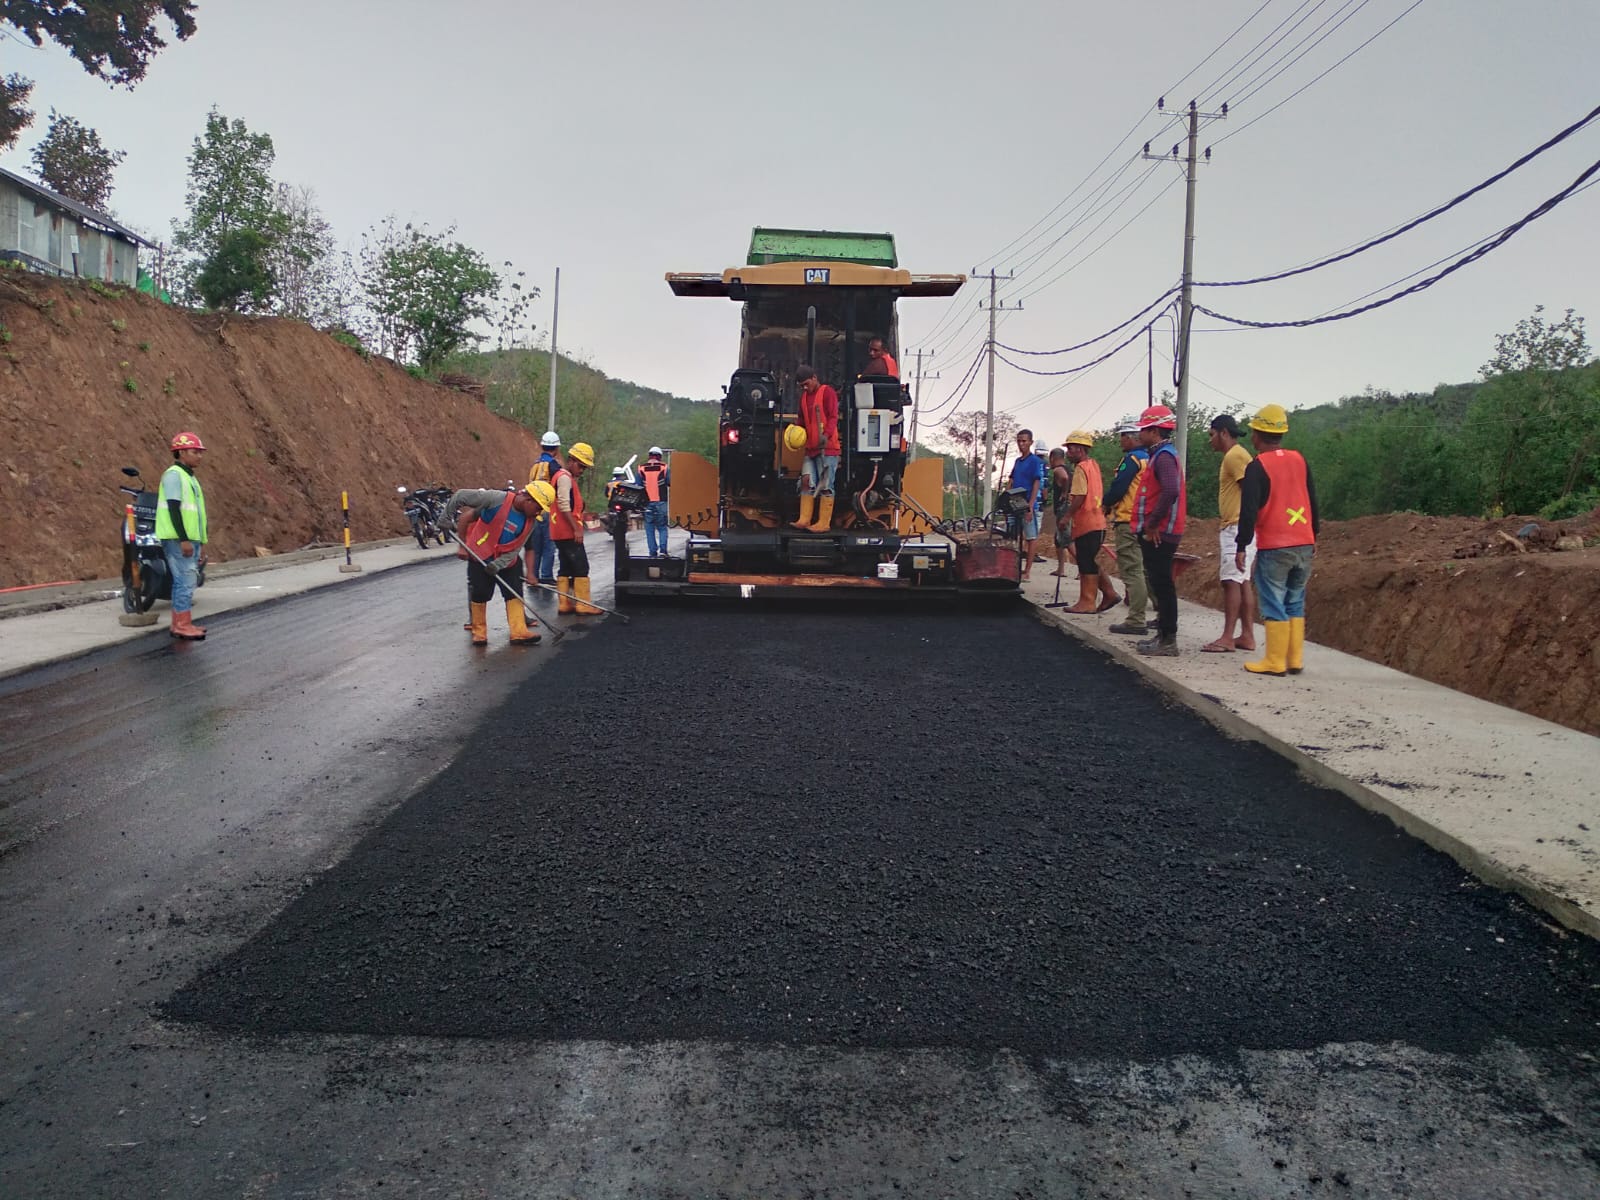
1452, 600
92, 380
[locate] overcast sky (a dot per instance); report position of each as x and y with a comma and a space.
620, 141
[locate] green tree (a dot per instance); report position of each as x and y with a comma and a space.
301, 258
73, 160
230, 187
426, 291
113, 40
237, 276
1532, 429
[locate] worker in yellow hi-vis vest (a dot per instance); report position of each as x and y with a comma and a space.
181, 526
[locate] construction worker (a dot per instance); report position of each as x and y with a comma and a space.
819, 413
1160, 512
1028, 473
1060, 491
879, 360
1084, 508
495, 526
656, 477
566, 527
1237, 594
541, 552
1118, 507
1278, 511
181, 526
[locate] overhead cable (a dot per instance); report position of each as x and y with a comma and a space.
1412, 224
1159, 300
1490, 244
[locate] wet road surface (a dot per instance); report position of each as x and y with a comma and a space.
734, 903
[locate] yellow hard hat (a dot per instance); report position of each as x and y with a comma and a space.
794, 437
1271, 419
583, 452
1079, 437
542, 492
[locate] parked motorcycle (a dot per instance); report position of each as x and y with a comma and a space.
144, 566
424, 509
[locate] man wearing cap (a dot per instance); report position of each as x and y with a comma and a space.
566, 527
1278, 511
1160, 513
1095, 593
1118, 506
181, 526
656, 477
1237, 597
494, 526
541, 552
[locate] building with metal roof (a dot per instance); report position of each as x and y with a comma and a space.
56, 235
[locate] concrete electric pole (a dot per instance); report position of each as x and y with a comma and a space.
1186, 300
916, 400
555, 358
988, 433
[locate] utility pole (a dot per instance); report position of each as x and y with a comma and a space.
555, 357
1150, 364
916, 401
988, 434
1186, 301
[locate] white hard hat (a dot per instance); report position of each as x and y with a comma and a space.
655, 450
550, 438
618, 473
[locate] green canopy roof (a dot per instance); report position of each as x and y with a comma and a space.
807, 245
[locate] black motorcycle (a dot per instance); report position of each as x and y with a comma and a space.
424, 509
145, 578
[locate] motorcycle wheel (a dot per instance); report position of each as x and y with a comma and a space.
139, 600
421, 536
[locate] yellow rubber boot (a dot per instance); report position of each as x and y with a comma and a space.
521, 635
480, 624
1294, 661
804, 520
1276, 651
565, 603
585, 609
824, 520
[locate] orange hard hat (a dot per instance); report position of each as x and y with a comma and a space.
187, 441
1158, 416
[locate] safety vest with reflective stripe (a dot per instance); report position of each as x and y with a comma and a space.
192, 505
566, 527
503, 531
1123, 512
1285, 519
1149, 493
654, 478
1090, 516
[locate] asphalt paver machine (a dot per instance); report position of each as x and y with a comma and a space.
817, 298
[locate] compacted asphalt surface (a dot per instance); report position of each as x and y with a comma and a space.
735, 902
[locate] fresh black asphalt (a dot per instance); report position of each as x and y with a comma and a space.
889, 830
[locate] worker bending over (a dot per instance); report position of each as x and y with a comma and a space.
566, 527
492, 527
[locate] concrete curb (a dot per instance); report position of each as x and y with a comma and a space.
1483, 865
91, 591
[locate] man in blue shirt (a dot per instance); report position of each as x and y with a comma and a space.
1028, 473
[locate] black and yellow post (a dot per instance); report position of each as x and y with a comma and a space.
347, 567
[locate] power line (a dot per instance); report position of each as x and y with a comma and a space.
1137, 333
1116, 233
1171, 91
1425, 217
1294, 54
1240, 129
1161, 299
1224, 82
1489, 244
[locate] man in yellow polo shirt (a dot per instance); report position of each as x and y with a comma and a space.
1238, 597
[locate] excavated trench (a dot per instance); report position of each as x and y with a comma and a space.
890, 830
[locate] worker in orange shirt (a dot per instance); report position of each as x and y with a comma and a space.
819, 414
1278, 511
1095, 593
879, 360
566, 530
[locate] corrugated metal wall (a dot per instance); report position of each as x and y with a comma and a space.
53, 240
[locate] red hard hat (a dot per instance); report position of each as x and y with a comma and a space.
1158, 416
187, 441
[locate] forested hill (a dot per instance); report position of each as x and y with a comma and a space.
619, 418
